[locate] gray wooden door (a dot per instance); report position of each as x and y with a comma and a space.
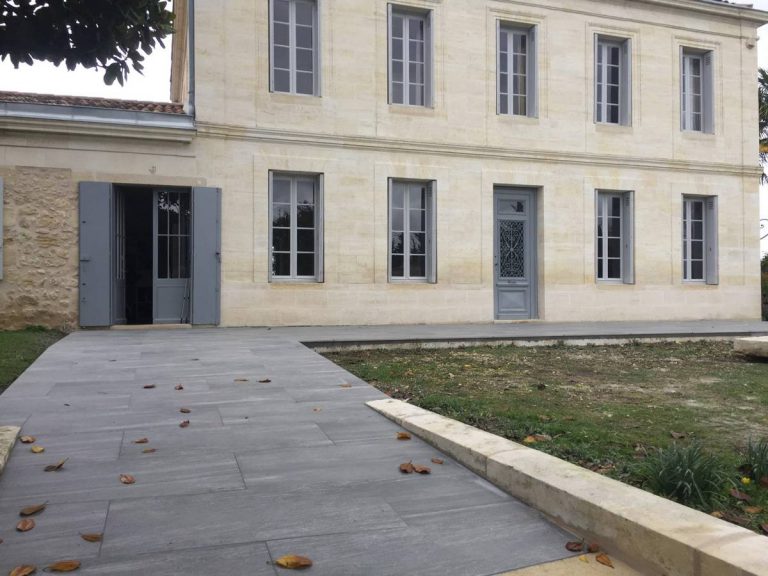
96, 245
515, 269
172, 262
206, 255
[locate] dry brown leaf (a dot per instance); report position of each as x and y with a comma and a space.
542, 437
604, 560
403, 436
149, 450
37, 449
593, 548
241, 379
184, 424
345, 385
92, 537
753, 509
407, 468
265, 381
185, 411
25, 525
574, 546
677, 435
56, 467
149, 386
716, 514
317, 409
438, 461
178, 387
422, 469
27, 439
64, 566
32, 510
529, 440
293, 562
25, 570
127, 479
584, 559
740, 495
141, 441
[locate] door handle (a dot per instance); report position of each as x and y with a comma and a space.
85, 259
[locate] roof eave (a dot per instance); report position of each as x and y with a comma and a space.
713, 7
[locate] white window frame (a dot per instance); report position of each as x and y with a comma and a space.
430, 232
708, 239
603, 44
602, 201
294, 177
531, 96
410, 14
688, 96
293, 48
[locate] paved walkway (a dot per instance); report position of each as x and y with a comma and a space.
296, 465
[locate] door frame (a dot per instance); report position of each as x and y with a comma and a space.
531, 193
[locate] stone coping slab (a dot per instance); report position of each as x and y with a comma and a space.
660, 536
757, 346
8, 436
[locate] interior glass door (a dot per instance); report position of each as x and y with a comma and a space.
172, 261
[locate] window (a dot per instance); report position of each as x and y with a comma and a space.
293, 47
615, 237
700, 239
696, 91
410, 57
412, 231
174, 231
612, 81
296, 227
517, 70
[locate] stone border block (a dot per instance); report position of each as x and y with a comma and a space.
663, 536
8, 436
757, 346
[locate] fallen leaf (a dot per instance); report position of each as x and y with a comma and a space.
27, 439
64, 566
184, 424
403, 436
422, 469
574, 546
25, 525
92, 537
593, 548
317, 409
178, 387
737, 519
740, 495
32, 510
584, 559
241, 379
265, 381
542, 437
141, 441
604, 560
149, 386
294, 562
716, 514
56, 467
438, 461
25, 570
37, 449
345, 385
407, 468
127, 479
149, 450
185, 411
529, 440
677, 435
753, 509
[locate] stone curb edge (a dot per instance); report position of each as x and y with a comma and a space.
8, 435
662, 536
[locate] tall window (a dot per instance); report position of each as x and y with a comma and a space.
612, 81
293, 53
410, 57
174, 227
412, 231
700, 239
517, 70
296, 227
614, 237
696, 95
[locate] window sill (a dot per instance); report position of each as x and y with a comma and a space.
696, 135
409, 110
291, 98
610, 283
294, 281
608, 128
518, 119
411, 282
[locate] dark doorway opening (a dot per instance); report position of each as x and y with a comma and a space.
139, 272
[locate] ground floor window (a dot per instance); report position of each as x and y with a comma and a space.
699, 239
296, 226
412, 231
614, 237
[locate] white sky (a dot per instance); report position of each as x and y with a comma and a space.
155, 83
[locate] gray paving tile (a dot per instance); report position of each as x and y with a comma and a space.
77, 447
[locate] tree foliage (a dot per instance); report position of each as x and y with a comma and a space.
113, 35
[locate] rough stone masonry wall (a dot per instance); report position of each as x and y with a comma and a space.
39, 285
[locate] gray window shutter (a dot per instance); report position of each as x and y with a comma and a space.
1, 229
710, 230
271, 47
498, 67
626, 83
708, 94
206, 256
429, 98
319, 230
389, 53
96, 272
390, 185
596, 79
269, 217
628, 235
533, 70
432, 233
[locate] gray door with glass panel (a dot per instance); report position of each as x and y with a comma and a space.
515, 269
172, 270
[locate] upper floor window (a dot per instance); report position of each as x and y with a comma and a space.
412, 231
615, 237
516, 70
700, 239
293, 47
613, 90
696, 93
410, 57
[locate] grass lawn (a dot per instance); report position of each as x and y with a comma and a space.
18, 349
605, 407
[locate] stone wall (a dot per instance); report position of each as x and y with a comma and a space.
39, 286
